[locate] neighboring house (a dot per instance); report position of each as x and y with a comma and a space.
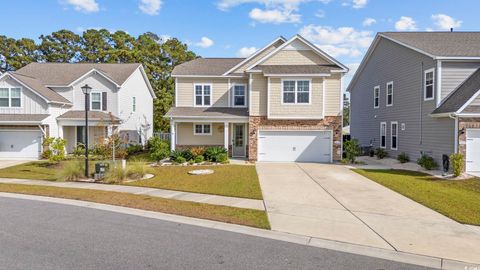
418, 92
283, 103
45, 100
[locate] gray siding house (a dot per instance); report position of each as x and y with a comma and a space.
418, 93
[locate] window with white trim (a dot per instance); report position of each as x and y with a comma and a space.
96, 101
394, 135
11, 97
202, 129
429, 83
383, 134
239, 92
389, 94
203, 94
134, 104
376, 97
296, 91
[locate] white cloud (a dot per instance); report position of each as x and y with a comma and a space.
369, 22
342, 41
87, 6
359, 3
405, 24
445, 22
275, 16
320, 13
204, 42
246, 51
150, 7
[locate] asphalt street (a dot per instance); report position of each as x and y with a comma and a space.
41, 235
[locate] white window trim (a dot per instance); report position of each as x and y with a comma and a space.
244, 93
296, 91
203, 96
374, 98
386, 94
91, 100
381, 125
134, 104
432, 70
10, 97
202, 134
391, 134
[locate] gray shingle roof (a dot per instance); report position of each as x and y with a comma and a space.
207, 112
92, 115
66, 73
296, 69
22, 117
39, 87
462, 44
460, 95
206, 66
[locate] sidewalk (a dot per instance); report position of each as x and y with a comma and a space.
154, 192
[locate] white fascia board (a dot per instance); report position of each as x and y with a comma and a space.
255, 54
147, 81
468, 102
457, 58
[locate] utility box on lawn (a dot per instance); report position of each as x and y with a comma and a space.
101, 169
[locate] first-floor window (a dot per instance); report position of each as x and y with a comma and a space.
202, 129
383, 134
203, 93
96, 101
394, 134
239, 95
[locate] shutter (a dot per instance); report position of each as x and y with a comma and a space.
104, 101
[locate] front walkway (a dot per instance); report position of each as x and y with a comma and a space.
332, 202
10, 163
154, 192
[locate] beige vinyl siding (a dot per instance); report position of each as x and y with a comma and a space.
312, 110
333, 95
294, 57
185, 91
185, 135
252, 61
259, 95
454, 73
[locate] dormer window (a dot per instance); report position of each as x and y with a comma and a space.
203, 95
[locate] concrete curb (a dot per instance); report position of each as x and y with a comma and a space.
422, 260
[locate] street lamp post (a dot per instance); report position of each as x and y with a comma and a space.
86, 91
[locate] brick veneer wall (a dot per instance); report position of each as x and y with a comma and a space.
257, 123
463, 124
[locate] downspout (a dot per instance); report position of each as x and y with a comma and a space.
421, 105
455, 135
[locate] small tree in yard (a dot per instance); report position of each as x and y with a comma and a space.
352, 150
458, 163
159, 149
56, 148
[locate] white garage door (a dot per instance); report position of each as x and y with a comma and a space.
299, 146
473, 150
20, 144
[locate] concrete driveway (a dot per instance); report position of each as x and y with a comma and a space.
10, 163
332, 202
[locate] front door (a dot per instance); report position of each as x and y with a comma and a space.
238, 140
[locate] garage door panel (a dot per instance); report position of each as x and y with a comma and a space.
473, 150
299, 146
20, 144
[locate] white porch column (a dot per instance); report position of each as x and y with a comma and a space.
172, 135
225, 135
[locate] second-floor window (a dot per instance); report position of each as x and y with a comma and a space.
10, 97
134, 104
389, 93
96, 101
239, 96
429, 81
203, 94
296, 91
376, 97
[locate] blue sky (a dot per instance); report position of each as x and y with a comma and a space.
229, 28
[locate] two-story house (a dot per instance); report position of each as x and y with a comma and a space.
282, 103
418, 92
46, 100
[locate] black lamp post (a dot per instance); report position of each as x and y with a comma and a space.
86, 91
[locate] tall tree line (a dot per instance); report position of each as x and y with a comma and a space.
158, 57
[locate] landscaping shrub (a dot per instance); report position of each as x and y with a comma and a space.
187, 154
427, 162
158, 149
121, 153
47, 154
180, 160
191, 162
79, 150
199, 159
222, 158
72, 171
99, 149
134, 148
58, 149
381, 153
197, 151
352, 150
403, 157
212, 153
458, 163
175, 154
116, 174
136, 170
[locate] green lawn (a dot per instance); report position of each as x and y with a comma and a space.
248, 217
228, 180
42, 170
457, 199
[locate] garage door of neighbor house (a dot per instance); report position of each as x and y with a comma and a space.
298, 146
20, 144
473, 150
